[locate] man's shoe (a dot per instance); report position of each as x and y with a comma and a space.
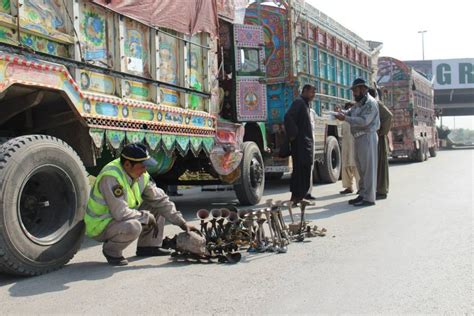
115, 261
380, 196
356, 200
152, 252
364, 203
309, 197
346, 191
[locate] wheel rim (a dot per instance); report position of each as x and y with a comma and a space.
46, 206
256, 173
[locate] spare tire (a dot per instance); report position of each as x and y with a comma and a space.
43, 195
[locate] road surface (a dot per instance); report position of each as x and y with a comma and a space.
411, 253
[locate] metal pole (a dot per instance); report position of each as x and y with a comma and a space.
423, 42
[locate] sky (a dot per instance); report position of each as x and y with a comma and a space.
449, 26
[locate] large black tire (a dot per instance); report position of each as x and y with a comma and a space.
426, 149
419, 154
330, 169
273, 175
249, 190
316, 173
43, 195
433, 151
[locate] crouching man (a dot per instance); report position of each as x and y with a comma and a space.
125, 204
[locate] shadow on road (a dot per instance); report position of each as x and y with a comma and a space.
57, 281
332, 210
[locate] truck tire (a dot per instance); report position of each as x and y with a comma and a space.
249, 190
433, 151
426, 149
273, 175
419, 154
330, 168
43, 195
316, 173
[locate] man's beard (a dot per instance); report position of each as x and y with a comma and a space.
359, 97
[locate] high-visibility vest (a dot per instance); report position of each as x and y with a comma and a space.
98, 215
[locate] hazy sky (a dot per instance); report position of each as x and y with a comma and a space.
449, 26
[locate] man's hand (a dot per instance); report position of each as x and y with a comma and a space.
153, 224
341, 117
189, 228
348, 105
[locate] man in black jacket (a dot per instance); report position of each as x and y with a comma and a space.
300, 133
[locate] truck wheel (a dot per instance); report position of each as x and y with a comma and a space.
316, 172
43, 195
249, 190
273, 175
419, 154
426, 149
433, 151
330, 169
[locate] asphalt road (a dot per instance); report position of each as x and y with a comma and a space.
411, 253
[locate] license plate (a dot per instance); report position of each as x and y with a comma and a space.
277, 169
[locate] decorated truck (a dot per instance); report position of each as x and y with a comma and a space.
305, 46
409, 95
79, 79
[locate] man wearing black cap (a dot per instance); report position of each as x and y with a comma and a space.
364, 120
125, 204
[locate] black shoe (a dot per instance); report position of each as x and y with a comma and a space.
115, 261
152, 252
380, 196
169, 243
346, 191
357, 199
364, 203
309, 197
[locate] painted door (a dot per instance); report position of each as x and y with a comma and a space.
251, 90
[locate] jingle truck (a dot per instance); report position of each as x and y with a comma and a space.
409, 95
305, 46
79, 79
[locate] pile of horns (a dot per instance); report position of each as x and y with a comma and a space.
228, 230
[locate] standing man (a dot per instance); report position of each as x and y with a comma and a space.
300, 133
309, 196
382, 163
125, 204
364, 120
349, 169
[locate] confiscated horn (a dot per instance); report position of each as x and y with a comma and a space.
216, 213
202, 214
233, 217
242, 213
225, 213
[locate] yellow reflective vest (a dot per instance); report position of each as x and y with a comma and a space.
98, 215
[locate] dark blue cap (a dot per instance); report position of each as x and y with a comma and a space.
137, 152
359, 82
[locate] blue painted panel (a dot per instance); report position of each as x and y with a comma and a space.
279, 99
106, 109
